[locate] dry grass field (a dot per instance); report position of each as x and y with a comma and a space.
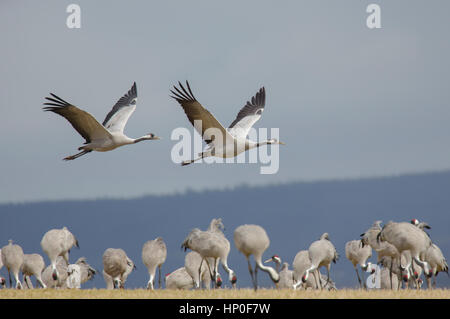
221, 294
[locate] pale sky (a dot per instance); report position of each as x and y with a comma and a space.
349, 101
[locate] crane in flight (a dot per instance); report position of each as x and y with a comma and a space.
99, 137
222, 142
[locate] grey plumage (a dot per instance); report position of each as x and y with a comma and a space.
98, 137
58, 242
358, 254
321, 253
154, 253
405, 236
87, 272
115, 264
33, 265
12, 258
109, 280
214, 244
192, 263
253, 240
437, 262
179, 279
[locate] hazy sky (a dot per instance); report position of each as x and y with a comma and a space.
349, 101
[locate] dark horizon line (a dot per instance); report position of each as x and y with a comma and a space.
188, 190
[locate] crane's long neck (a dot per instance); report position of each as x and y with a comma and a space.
140, 139
272, 272
261, 143
230, 271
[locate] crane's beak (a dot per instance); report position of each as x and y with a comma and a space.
268, 260
156, 138
279, 142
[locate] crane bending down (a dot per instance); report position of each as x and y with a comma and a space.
154, 253
214, 244
253, 240
222, 142
321, 253
99, 137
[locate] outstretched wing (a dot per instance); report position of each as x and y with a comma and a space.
117, 118
197, 114
248, 115
83, 122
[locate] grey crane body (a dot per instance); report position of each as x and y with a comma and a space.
253, 240
382, 248
321, 253
58, 242
405, 236
99, 137
300, 264
286, 277
213, 244
33, 265
192, 263
393, 265
87, 273
61, 268
109, 280
115, 264
222, 142
386, 280
12, 258
358, 254
154, 253
286, 274
435, 258
179, 279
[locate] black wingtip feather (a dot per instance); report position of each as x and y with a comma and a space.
183, 94
59, 99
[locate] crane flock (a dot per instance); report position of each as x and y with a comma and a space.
404, 250
416, 255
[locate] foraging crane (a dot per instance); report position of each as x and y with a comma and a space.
214, 244
58, 242
253, 240
277, 260
383, 249
154, 253
87, 273
179, 279
33, 265
434, 257
115, 264
109, 280
12, 258
209, 244
286, 275
358, 255
222, 142
406, 236
99, 137
192, 262
321, 253
300, 264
